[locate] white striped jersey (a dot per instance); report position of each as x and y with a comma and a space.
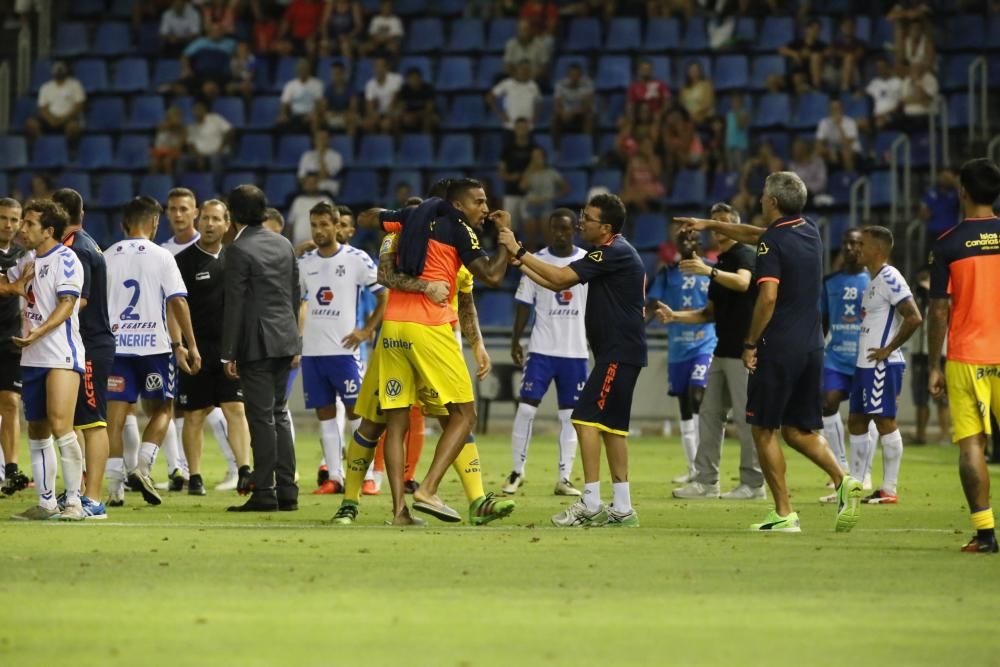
559, 329
879, 320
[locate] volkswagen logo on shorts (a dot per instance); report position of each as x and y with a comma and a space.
154, 382
393, 388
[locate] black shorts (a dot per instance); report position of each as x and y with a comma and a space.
920, 372
10, 370
210, 387
787, 391
606, 399
92, 399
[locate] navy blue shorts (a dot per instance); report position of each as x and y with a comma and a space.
787, 391
325, 378
540, 369
150, 377
92, 400
606, 399
34, 393
834, 380
876, 390
682, 375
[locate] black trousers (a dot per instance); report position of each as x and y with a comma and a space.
264, 384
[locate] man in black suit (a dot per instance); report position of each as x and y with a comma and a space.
260, 337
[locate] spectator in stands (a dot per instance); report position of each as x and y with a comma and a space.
206, 64
807, 163
682, 147
179, 25
404, 192
299, 28
299, 98
323, 162
642, 186
841, 60
415, 104
886, 91
148, 10
645, 91
380, 92
714, 158
338, 110
909, 10
737, 132
168, 145
298, 214
940, 207
752, 176
519, 95
919, 92
60, 106
804, 59
222, 13
915, 44
838, 138
542, 185
242, 66
698, 94
342, 21
632, 132
479, 9
385, 33
40, 187
544, 18
209, 138
514, 159
573, 104
527, 47
602, 9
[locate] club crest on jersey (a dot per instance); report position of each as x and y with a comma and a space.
341, 271
393, 388
44, 271
154, 382
762, 249
564, 297
596, 255
324, 296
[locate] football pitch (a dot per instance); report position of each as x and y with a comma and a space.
188, 584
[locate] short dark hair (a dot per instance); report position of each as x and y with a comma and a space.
612, 210
440, 188
981, 179
274, 214
52, 215
247, 204
413, 201
139, 209
181, 192
215, 202
723, 207
72, 203
345, 210
881, 234
563, 213
325, 208
9, 202
459, 186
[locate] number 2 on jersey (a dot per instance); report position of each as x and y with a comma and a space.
128, 313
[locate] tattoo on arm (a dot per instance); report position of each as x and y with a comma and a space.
393, 279
67, 298
468, 318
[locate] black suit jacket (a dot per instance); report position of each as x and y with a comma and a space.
262, 298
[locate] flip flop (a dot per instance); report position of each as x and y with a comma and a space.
438, 511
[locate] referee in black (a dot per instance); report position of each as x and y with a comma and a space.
201, 265
14, 479
784, 348
616, 332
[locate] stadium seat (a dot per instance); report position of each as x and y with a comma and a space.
424, 35
280, 187
746, 30
544, 141
156, 186
958, 110
500, 30
662, 69
724, 185
454, 74
376, 151
966, 32
650, 231
95, 152
133, 152
284, 71
416, 151
583, 36
490, 70
398, 177
24, 108
689, 188
839, 186
956, 72
364, 70
232, 179
773, 109
255, 151
166, 71
731, 72
112, 39
290, 150
993, 34
812, 107
456, 151
779, 140
563, 63
607, 178
148, 41
856, 107
881, 184
79, 181
612, 107
186, 106
41, 72
496, 309
70, 40
344, 145
449, 7
575, 150
88, 8
422, 63
360, 187
264, 112
121, 9
465, 36
201, 183
661, 35
776, 32
883, 142
623, 35
467, 111
489, 146
93, 75
114, 190
683, 64
578, 186
105, 114
49, 152
230, 108
131, 76
147, 112
695, 35
763, 68
613, 73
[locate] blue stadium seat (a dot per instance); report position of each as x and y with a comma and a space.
650, 231
496, 309
661, 35
133, 152
623, 35
156, 186
993, 34
280, 187
105, 114
147, 112
856, 107
956, 72
966, 32
364, 70
416, 151
422, 63
88, 8
166, 71
424, 35
662, 69
121, 9
746, 30
576, 150
773, 109
264, 112
863, 28
465, 36
49, 152
95, 152
397, 177
958, 110
779, 141
489, 146
344, 145
360, 187
839, 186
695, 35
454, 74
812, 107
70, 40
583, 35
24, 108
290, 150
544, 142
230, 108
489, 71
467, 111
131, 76
79, 181
763, 68
112, 39
376, 151
563, 63
607, 178
13, 153
200, 182
578, 186
232, 179
776, 32
613, 73
255, 151
500, 30
148, 41
881, 188
611, 108
284, 71
93, 75
724, 185
689, 188
186, 106
114, 190
683, 64
732, 72
411, 7
449, 7
41, 72
456, 151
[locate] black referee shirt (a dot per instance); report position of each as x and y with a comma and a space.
733, 310
10, 306
202, 273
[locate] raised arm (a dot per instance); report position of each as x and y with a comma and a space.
389, 276
742, 233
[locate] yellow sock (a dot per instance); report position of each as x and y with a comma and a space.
981, 520
359, 457
467, 466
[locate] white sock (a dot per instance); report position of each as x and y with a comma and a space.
833, 431
592, 496
220, 429
169, 446
43, 467
520, 435
147, 456
341, 418
873, 437
182, 459
130, 442
567, 444
892, 456
71, 456
329, 438
859, 455
689, 440
114, 472
622, 497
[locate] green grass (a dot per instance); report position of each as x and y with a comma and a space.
188, 584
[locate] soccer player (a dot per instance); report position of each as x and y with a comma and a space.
889, 318
14, 479
783, 349
332, 276
150, 317
557, 351
51, 359
965, 267
99, 345
201, 266
616, 282
689, 345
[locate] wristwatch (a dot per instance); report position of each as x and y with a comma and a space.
522, 251
715, 272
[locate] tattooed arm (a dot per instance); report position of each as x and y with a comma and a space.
468, 320
389, 276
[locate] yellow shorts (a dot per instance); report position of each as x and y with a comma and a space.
419, 356
973, 390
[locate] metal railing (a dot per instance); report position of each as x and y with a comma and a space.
900, 169
44, 28
857, 199
978, 74
5, 98
916, 241
23, 61
938, 116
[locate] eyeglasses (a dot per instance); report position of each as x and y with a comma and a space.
586, 218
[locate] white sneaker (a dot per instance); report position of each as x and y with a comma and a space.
745, 492
228, 482
683, 478
72, 513
830, 499
697, 491
564, 487
867, 485
577, 515
512, 483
